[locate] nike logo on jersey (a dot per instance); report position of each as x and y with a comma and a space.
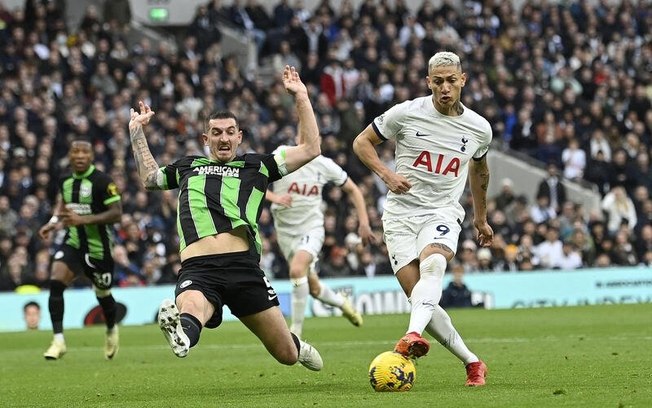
419, 134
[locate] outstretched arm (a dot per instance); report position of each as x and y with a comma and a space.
355, 195
479, 181
308, 147
145, 163
364, 147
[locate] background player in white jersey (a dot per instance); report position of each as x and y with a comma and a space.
438, 142
299, 223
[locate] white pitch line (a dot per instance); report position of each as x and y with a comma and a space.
486, 340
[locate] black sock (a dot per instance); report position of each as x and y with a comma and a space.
108, 307
296, 343
55, 305
192, 327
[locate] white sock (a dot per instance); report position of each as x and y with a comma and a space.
59, 337
427, 292
299, 300
329, 297
441, 328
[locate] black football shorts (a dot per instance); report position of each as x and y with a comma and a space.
234, 280
99, 271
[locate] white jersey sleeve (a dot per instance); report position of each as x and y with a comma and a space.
305, 185
433, 152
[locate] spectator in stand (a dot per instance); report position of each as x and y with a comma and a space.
126, 272
456, 294
574, 160
622, 171
509, 262
117, 14
204, 28
542, 211
570, 258
17, 271
598, 171
506, 195
550, 250
598, 143
552, 187
603, 261
8, 217
619, 210
468, 256
584, 244
238, 15
485, 260
643, 245
643, 170
623, 252
336, 265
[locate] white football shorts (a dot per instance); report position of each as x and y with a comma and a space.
310, 242
407, 237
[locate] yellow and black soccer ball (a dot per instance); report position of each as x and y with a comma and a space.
391, 371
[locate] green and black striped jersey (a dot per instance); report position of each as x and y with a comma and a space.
90, 193
217, 197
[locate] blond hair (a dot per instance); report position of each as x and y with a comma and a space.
444, 59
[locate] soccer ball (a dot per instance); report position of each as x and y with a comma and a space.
390, 371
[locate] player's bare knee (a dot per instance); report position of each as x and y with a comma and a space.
297, 272
433, 265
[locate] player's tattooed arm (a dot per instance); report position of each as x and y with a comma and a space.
479, 180
145, 163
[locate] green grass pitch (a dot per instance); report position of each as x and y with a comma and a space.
594, 356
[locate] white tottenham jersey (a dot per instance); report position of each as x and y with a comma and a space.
305, 186
433, 152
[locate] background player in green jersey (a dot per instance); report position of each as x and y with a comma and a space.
220, 200
88, 203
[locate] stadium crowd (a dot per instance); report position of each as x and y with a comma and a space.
567, 83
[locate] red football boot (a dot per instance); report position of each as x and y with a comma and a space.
412, 345
476, 373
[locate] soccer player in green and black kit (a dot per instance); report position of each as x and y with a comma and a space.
88, 204
220, 201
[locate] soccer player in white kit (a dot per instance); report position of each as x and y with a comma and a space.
299, 223
439, 142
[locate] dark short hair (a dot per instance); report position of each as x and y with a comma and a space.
221, 115
31, 303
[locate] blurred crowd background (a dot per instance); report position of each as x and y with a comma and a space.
568, 83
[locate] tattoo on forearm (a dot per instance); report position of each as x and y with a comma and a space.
482, 176
145, 162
